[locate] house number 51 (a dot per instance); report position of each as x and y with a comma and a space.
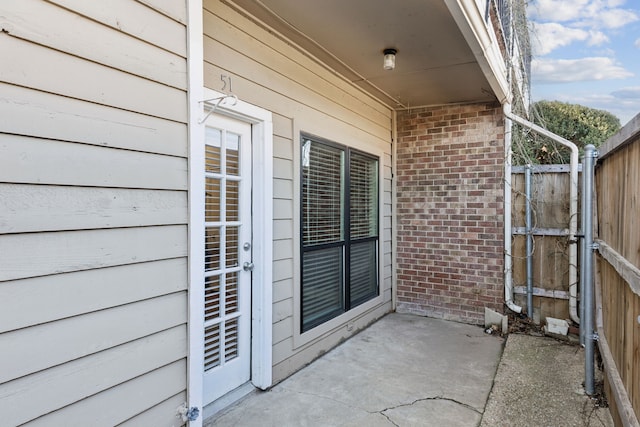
226, 83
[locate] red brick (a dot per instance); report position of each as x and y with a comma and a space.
449, 210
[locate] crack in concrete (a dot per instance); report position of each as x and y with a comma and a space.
424, 399
387, 417
382, 412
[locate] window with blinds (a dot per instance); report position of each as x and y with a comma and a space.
339, 228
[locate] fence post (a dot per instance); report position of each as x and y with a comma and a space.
586, 330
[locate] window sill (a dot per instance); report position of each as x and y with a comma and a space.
336, 323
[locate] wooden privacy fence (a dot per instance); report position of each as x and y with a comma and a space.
550, 220
617, 180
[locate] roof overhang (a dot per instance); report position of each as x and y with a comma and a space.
446, 51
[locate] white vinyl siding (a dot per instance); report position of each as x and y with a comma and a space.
93, 212
303, 95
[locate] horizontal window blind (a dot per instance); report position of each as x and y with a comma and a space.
363, 195
322, 194
322, 296
363, 273
339, 228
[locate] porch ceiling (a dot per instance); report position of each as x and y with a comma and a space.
434, 64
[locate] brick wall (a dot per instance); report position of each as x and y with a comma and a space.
450, 211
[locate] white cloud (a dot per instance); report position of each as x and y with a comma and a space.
550, 36
594, 14
559, 11
615, 18
561, 23
597, 38
575, 70
615, 3
574, 26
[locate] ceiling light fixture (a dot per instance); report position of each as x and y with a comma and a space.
389, 58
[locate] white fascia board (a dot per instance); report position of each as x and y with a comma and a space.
484, 45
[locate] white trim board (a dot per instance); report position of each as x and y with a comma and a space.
195, 76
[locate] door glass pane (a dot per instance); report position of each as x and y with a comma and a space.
232, 200
211, 347
212, 298
212, 150
233, 154
322, 297
231, 293
233, 247
212, 248
231, 339
212, 200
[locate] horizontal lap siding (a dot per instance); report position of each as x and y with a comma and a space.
77, 77
283, 229
303, 96
31, 208
35, 113
93, 212
59, 296
62, 163
118, 404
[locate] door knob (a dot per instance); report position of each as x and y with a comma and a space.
248, 266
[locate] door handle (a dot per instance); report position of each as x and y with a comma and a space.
248, 266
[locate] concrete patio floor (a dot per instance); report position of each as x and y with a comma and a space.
540, 383
407, 370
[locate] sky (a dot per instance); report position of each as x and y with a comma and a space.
587, 52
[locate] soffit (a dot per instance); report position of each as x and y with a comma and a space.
434, 64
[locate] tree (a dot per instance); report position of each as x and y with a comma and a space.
577, 123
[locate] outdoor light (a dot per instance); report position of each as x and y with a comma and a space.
390, 59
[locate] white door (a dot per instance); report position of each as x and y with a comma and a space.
227, 263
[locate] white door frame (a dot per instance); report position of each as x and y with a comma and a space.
262, 224
195, 131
